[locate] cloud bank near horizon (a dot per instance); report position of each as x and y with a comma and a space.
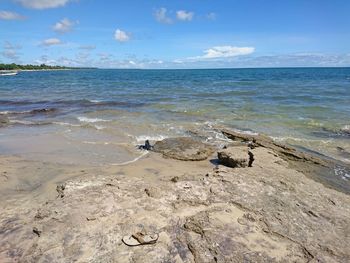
107, 60
219, 52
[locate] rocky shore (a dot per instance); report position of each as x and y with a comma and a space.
252, 200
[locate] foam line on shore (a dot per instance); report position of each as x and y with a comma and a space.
283, 139
342, 172
143, 138
106, 143
132, 161
66, 124
29, 123
90, 120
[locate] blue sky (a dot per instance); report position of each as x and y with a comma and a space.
176, 34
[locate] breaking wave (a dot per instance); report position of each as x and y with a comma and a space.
90, 120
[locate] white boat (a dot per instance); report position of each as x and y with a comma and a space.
8, 73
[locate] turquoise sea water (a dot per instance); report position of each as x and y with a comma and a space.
98, 116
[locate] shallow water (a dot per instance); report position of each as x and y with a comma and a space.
98, 116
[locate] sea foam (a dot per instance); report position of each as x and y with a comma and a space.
90, 120
346, 129
143, 138
342, 172
131, 161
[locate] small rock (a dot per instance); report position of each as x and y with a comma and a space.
251, 159
187, 186
4, 121
41, 214
236, 157
37, 231
152, 192
175, 179
60, 190
147, 146
43, 111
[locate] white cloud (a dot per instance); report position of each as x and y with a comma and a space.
64, 26
184, 15
7, 15
51, 42
121, 36
127, 63
42, 4
44, 59
225, 52
80, 60
161, 16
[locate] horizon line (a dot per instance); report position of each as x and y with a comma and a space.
295, 67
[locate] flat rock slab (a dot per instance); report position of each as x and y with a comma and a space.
317, 167
183, 148
236, 157
284, 151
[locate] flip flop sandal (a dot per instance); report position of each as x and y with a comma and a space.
139, 239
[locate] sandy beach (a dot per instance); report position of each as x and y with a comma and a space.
202, 209
174, 131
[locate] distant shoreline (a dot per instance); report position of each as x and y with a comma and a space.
29, 70
28, 67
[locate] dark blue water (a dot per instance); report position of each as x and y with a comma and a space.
309, 107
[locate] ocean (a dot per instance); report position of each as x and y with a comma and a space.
99, 116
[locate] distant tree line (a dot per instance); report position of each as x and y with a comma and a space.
14, 66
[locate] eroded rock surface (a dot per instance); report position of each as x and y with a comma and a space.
264, 213
183, 148
286, 152
315, 166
